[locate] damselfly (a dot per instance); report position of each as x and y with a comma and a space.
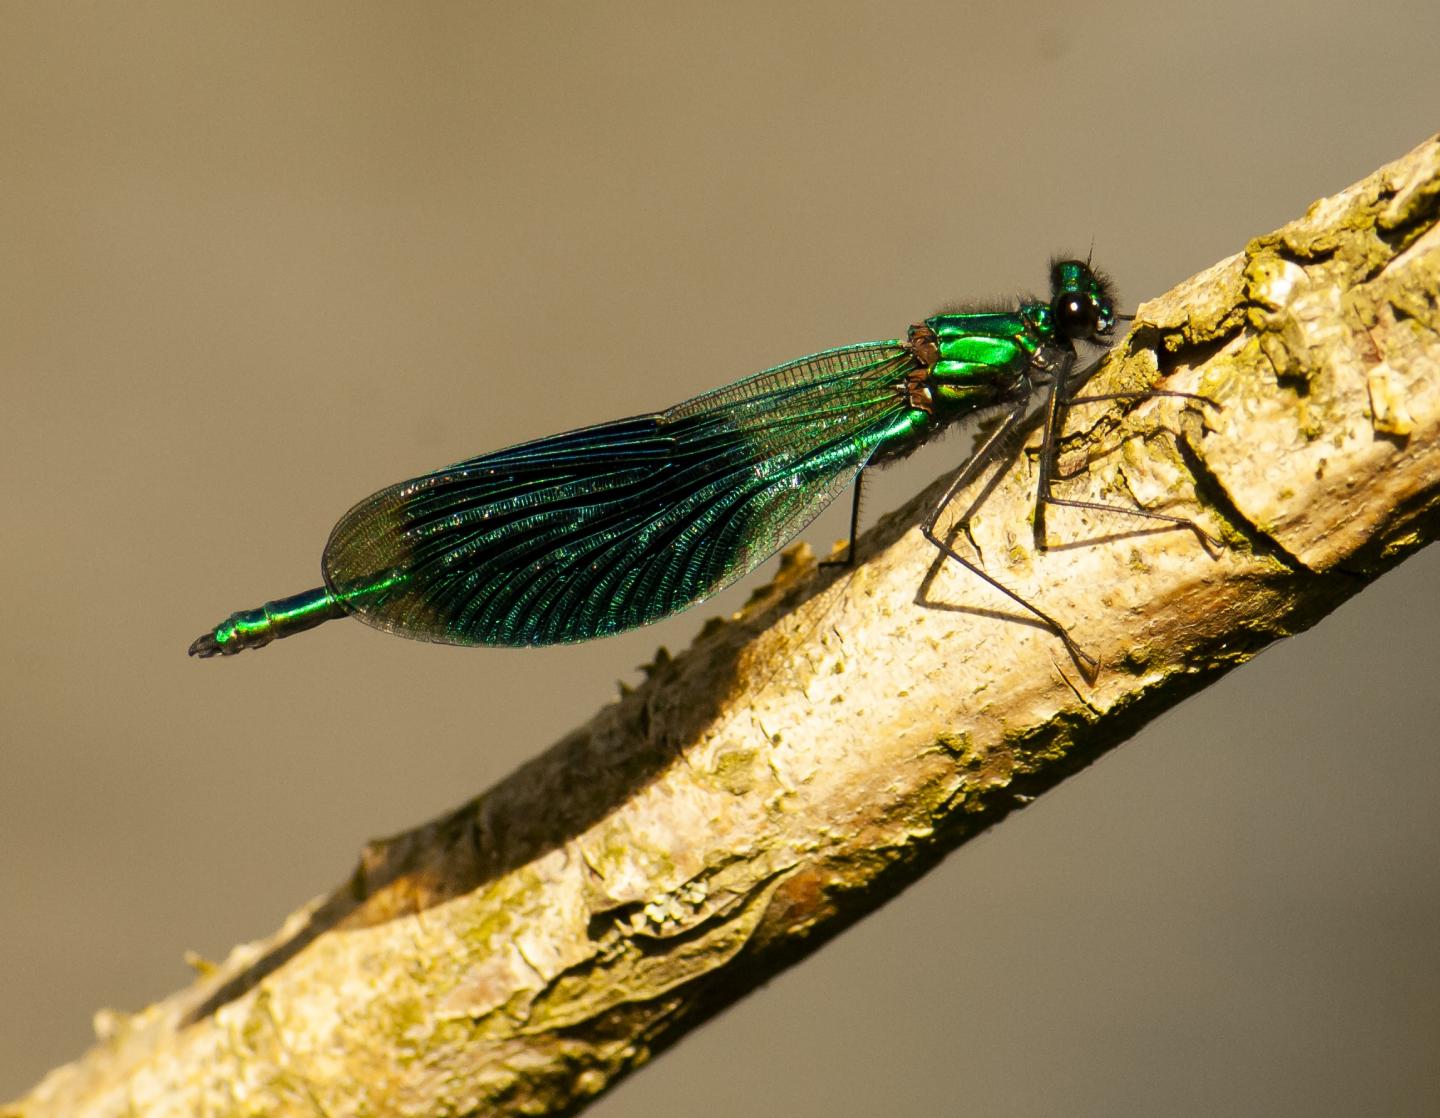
607, 528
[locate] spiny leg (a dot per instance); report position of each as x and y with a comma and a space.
1139, 394
984, 455
1049, 451
849, 560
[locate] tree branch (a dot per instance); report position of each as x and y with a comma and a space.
811, 756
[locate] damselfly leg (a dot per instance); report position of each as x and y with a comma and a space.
1058, 406
994, 447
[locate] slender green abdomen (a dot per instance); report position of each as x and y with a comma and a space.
284, 617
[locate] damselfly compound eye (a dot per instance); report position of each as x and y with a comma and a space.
1076, 315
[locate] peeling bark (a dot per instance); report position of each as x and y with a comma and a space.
811, 756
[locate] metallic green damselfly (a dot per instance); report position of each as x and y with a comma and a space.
607, 528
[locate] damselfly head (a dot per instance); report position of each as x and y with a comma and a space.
1081, 301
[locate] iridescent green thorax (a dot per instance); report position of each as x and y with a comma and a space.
974, 337
978, 357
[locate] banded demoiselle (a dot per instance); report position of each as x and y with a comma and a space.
607, 528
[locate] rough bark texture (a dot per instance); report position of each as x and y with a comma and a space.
811, 756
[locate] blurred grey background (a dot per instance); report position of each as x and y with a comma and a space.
259, 260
